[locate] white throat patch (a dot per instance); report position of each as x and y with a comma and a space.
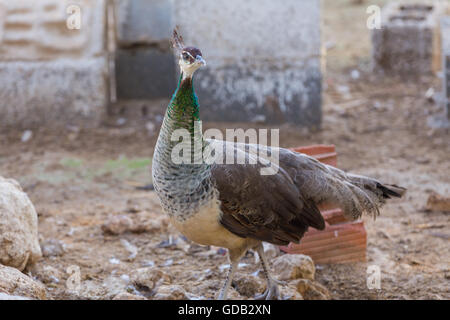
188, 69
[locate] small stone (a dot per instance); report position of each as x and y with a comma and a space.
116, 225
438, 203
291, 293
311, 290
128, 296
150, 126
132, 249
26, 136
248, 286
52, 248
170, 292
46, 274
4, 296
115, 285
149, 278
146, 222
355, 74
121, 121
294, 266
13, 282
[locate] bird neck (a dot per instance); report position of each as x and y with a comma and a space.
182, 116
183, 109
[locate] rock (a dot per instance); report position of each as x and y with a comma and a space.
248, 286
128, 296
294, 266
116, 225
146, 222
26, 136
290, 293
19, 244
132, 249
14, 282
115, 285
170, 292
438, 203
149, 278
52, 248
4, 296
311, 290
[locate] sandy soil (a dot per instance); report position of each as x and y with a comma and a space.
79, 179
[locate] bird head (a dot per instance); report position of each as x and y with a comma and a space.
190, 58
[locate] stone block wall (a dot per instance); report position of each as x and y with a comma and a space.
49, 74
145, 67
408, 41
445, 34
264, 58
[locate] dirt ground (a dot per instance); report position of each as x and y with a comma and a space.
80, 179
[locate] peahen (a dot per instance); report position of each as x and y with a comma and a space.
233, 205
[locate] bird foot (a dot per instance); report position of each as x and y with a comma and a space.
272, 293
280, 282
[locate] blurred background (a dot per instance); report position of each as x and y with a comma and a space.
83, 89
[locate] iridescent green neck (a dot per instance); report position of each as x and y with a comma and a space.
183, 113
183, 107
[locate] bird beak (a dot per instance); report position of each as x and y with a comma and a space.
200, 60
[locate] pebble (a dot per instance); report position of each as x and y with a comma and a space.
52, 248
248, 286
118, 224
170, 292
128, 296
311, 290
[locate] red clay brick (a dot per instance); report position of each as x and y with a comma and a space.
324, 153
341, 241
333, 216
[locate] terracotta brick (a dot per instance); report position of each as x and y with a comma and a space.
333, 216
342, 241
324, 153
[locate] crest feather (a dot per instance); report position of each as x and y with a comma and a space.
177, 39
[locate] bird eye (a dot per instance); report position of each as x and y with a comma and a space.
185, 56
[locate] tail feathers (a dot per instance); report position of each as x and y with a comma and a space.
391, 190
356, 194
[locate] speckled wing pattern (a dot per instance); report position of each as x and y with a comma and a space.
279, 208
265, 207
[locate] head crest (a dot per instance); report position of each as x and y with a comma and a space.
177, 40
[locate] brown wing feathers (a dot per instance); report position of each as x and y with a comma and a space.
267, 208
280, 208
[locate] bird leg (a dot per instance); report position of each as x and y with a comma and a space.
272, 292
226, 286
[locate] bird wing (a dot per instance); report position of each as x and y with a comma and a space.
279, 208
265, 207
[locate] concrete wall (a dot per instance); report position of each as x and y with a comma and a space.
51, 75
263, 58
445, 33
145, 68
408, 41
